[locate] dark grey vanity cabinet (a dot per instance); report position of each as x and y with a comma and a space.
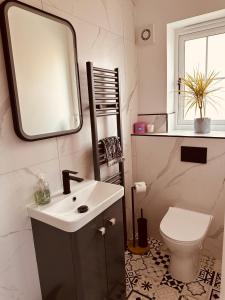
84, 265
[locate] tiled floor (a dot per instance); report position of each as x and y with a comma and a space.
148, 278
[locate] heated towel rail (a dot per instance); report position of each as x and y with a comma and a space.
104, 101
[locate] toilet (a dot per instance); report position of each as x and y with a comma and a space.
184, 231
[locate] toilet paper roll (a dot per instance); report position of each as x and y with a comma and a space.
140, 187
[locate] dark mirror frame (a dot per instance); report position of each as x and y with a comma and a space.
10, 70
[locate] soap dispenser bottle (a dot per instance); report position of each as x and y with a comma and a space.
42, 191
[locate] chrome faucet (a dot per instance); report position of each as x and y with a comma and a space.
66, 175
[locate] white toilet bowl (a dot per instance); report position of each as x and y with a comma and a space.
183, 232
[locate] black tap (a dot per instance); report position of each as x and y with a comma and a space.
66, 180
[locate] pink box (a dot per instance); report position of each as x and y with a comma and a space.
140, 127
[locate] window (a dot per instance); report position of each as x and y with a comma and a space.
202, 48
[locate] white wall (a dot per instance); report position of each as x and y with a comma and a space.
105, 35
152, 58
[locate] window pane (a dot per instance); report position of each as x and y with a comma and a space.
216, 110
195, 55
216, 54
215, 106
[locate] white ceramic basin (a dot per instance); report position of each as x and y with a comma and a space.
62, 212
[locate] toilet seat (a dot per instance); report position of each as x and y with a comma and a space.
183, 225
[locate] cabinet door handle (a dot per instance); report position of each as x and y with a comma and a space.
112, 221
102, 230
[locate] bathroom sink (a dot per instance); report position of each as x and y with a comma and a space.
62, 211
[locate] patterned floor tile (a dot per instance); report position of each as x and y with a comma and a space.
206, 275
156, 272
218, 266
155, 244
198, 290
185, 297
135, 264
214, 295
207, 262
166, 292
145, 284
147, 277
171, 282
138, 296
133, 277
148, 255
128, 286
161, 259
128, 257
217, 282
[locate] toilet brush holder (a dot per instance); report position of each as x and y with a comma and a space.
142, 231
139, 246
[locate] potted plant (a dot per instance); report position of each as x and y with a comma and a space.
199, 91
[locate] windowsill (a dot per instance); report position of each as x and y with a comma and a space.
186, 133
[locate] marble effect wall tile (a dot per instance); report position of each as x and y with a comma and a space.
104, 13
15, 153
187, 185
129, 106
35, 3
18, 267
128, 19
80, 161
159, 121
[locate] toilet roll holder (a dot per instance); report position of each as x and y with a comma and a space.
141, 245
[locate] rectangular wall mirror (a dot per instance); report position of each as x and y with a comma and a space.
42, 70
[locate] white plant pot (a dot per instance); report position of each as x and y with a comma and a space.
202, 125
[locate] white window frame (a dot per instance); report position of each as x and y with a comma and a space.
192, 32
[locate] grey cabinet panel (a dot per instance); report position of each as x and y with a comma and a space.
114, 244
83, 265
54, 256
89, 261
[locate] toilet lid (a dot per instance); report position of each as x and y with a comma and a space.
185, 225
